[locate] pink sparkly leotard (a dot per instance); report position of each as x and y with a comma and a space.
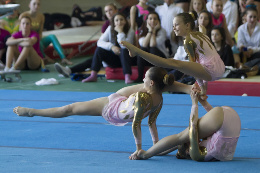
222, 144
199, 46
120, 110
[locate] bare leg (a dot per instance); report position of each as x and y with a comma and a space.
31, 56
12, 54
207, 125
190, 68
93, 107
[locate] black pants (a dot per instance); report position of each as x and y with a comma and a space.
254, 60
112, 60
81, 66
141, 63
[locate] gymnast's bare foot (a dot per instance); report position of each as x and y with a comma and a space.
131, 48
21, 111
138, 155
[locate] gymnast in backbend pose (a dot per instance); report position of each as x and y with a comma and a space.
219, 127
129, 104
205, 63
38, 20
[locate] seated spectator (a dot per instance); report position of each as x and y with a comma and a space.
248, 39
218, 19
23, 48
110, 51
218, 38
110, 10
138, 14
230, 10
205, 20
152, 40
10, 23
238, 63
198, 6
4, 35
243, 4
37, 25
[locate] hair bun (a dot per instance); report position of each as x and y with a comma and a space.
192, 15
166, 79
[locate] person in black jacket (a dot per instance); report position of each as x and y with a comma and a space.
224, 50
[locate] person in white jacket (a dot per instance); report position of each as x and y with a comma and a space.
248, 39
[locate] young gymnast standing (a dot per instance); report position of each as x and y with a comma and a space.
129, 104
204, 63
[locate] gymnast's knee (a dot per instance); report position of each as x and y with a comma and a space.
66, 110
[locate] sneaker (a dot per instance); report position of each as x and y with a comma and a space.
65, 71
12, 69
6, 68
2, 66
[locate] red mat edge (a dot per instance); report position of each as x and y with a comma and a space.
233, 88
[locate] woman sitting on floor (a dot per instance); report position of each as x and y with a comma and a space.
37, 25
23, 48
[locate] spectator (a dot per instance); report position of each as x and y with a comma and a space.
205, 20
248, 39
111, 52
4, 35
152, 40
110, 10
218, 19
230, 10
198, 6
218, 38
37, 25
138, 14
10, 23
23, 48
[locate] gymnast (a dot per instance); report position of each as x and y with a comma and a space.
129, 104
219, 127
38, 20
204, 62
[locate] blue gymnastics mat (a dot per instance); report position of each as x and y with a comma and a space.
90, 144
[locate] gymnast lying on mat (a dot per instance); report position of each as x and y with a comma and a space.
129, 104
219, 127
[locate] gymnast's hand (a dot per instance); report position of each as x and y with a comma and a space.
131, 48
202, 96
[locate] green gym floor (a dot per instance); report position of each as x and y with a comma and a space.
65, 84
